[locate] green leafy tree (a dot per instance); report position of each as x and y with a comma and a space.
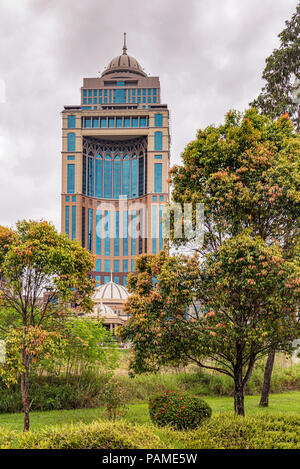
41, 272
248, 296
282, 74
247, 174
88, 346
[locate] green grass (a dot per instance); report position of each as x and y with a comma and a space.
287, 403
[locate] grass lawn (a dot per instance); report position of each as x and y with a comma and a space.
286, 402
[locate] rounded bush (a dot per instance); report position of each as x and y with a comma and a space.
178, 410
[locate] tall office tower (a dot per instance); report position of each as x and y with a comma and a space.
115, 160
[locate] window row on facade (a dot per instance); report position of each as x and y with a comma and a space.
120, 96
114, 122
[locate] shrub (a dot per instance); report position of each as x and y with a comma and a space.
178, 410
115, 399
97, 435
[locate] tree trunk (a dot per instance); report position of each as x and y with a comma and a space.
239, 408
25, 391
264, 400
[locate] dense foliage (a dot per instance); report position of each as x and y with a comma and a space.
280, 73
243, 288
41, 272
179, 410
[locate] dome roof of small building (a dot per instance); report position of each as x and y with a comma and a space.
111, 291
101, 310
124, 63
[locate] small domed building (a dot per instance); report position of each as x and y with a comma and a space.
109, 302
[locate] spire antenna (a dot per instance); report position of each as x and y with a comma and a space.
124, 46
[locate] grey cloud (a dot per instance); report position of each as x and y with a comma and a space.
209, 55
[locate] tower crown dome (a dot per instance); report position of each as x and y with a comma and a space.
124, 63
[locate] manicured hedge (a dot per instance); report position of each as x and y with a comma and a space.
178, 410
97, 435
223, 431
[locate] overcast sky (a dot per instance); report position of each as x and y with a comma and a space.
209, 55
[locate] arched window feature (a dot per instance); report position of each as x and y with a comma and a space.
99, 177
117, 177
158, 141
107, 177
71, 141
126, 176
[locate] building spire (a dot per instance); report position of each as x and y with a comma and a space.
124, 46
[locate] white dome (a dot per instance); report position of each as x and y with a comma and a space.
101, 310
111, 291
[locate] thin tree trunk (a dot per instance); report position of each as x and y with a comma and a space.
25, 391
239, 407
264, 400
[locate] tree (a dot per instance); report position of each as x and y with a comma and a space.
281, 72
41, 273
248, 298
246, 173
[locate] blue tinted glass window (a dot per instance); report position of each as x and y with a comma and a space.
135, 122
99, 177
116, 266
91, 177
84, 92
134, 177
71, 179
119, 122
103, 122
117, 235
88, 122
143, 122
90, 230
158, 141
90, 92
84, 101
107, 178
98, 280
120, 83
127, 122
154, 99
154, 228
106, 279
117, 177
132, 265
126, 177
107, 265
125, 280
95, 122
161, 227
154, 91
71, 141
67, 214
71, 122
158, 157
73, 222
117, 280
125, 233
67, 198
71, 158
111, 122
157, 177
133, 233
125, 266
98, 233
158, 120
98, 265
107, 233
